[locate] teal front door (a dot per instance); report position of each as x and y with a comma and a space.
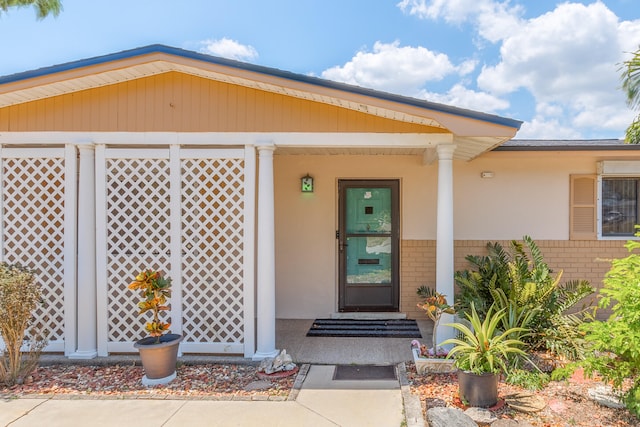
368, 245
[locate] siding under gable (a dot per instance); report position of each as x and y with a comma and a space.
176, 102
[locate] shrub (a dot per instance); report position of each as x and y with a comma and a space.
19, 296
525, 287
616, 342
529, 380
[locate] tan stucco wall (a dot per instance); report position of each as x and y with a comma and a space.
528, 195
306, 260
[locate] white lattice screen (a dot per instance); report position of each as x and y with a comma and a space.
137, 236
140, 220
212, 247
33, 227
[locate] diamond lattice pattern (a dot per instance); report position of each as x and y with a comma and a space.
138, 236
212, 246
33, 230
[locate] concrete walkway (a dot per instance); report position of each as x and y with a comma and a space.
320, 401
317, 399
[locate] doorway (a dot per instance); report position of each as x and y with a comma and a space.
368, 245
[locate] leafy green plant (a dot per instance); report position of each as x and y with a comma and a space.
155, 290
19, 296
483, 348
530, 380
616, 342
520, 282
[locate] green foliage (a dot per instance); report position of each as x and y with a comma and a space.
631, 85
483, 348
155, 290
631, 79
563, 372
616, 342
528, 379
521, 283
632, 135
43, 7
19, 297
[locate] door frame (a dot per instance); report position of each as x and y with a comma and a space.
341, 235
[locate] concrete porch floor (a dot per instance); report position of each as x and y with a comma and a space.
291, 335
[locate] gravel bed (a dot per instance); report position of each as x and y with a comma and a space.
201, 381
567, 402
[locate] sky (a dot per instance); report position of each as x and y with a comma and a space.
555, 65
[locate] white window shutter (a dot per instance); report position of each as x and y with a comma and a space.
582, 216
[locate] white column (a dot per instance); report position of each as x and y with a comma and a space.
444, 243
86, 295
266, 277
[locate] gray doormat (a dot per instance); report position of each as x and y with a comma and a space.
389, 328
364, 372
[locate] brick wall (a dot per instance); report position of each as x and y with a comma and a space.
577, 259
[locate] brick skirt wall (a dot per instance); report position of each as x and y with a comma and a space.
578, 259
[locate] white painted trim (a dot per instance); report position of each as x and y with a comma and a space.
281, 139
135, 153
175, 225
101, 253
199, 153
2, 255
34, 153
212, 348
630, 168
70, 250
249, 282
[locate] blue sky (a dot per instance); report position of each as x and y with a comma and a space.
552, 64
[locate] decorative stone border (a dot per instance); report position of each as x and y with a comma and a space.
426, 365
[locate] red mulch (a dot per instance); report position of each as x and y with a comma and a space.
568, 403
221, 382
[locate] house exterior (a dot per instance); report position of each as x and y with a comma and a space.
168, 159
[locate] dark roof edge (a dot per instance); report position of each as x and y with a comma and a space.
158, 48
567, 145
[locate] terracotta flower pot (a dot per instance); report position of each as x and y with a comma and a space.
479, 391
159, 359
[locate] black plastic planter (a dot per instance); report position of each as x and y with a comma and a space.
479, 391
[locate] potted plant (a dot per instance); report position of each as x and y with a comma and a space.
158, 351
481, 354
432, 359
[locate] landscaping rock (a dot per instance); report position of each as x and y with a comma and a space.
483, 417
504, 422
606, 396
449, 417
258, 385
525, 402
434, 402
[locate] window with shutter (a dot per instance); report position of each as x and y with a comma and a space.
582, 218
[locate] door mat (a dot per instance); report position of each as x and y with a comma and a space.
390, 328
364, 372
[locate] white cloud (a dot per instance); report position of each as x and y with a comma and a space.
451, 10
541, 128
463, 97
568, 59
228, 48
398, 69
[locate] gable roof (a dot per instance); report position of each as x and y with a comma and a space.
473, 132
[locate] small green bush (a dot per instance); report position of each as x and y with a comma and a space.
19, 296
616, 342
529, 380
